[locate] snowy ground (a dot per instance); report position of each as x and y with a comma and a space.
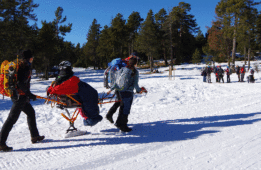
180, 124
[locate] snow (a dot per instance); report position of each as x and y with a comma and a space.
181, 123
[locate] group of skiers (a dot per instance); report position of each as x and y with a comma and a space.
67, 83
219, 74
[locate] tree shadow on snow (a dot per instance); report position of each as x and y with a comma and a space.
159, 131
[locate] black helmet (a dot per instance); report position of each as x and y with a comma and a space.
65, 65
65, 68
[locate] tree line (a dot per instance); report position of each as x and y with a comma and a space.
169, 35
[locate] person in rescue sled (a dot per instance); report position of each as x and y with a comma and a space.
126, 81
67, 83
21, 102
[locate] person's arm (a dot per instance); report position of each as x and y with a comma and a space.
136, 81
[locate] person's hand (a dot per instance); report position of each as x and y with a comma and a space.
108, 92
143, 90
32, 97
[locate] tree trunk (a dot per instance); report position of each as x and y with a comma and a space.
132, 46
234, 41
165, 58
245, 54
249, 55
46, 68
228, 61
151, 63
234, 47
171, 47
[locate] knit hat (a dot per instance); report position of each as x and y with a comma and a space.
27, 54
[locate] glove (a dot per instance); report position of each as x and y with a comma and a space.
143, 90
15, 95
32, 97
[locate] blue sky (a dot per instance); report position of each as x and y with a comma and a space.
82, 12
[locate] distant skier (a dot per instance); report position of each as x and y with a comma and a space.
237, 70
242, 71
204, 74
250, 77
216, 73
228, 72
220, 74
209, 70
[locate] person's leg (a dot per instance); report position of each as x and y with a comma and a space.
10, 121
114, 108
31, 121
122, 120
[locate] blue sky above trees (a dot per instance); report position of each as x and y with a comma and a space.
82, 12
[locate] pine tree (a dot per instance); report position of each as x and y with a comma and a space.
63, 29
247, 28
148, 38
92, 44
196, 58
46, 47
258, 31
228, 12
118, 34
200, 41
104, 48
132, 26
182, 26
15, 31
161, 21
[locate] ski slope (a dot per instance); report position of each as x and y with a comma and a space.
181, 123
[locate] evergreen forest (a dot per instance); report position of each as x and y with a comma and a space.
172, 36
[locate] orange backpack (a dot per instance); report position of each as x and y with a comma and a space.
8, 77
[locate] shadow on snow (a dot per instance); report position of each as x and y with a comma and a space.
160, 131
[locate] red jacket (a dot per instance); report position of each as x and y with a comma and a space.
242, 70
69, 86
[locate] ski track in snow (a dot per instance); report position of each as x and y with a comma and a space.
180, 124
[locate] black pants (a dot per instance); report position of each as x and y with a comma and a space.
220, 78
116, 105
228, 78
20, 105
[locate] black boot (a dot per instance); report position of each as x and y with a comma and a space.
112, 111
5, 148
121, 123
37, 139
